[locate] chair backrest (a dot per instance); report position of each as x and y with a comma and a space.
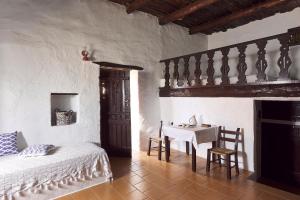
222, 137
160, 128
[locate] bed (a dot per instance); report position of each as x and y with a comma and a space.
67, 166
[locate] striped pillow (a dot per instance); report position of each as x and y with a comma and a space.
8, 144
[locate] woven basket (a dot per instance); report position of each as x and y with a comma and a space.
64, 117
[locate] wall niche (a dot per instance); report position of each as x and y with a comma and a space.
65, 104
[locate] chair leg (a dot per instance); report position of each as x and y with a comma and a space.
237, 164
159, 150
208, 161
219, 159
149, 147
214, 144
167, 148
228, 165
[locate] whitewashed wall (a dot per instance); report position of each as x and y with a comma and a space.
40, 47
235, 112
276, 24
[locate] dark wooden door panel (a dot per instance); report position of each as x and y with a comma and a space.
279, 135
115, 112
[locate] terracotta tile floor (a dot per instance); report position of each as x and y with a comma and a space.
146, 178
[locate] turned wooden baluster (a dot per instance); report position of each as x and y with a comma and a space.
176, 73
186, 73
242, 66
225, 67
167, 74
197, 71
294, 35
210, 69
261, 64
284, 61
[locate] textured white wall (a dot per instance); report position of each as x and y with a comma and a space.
273, 25
40, 47
276, 24
235, 112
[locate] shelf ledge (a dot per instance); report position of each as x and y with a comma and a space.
288, 89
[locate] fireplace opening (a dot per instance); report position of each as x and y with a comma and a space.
278, 144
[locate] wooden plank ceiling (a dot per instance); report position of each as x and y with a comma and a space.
209, 16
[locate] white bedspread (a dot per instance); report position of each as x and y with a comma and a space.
23, 175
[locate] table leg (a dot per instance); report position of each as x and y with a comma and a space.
167, 148
214, 144
187, 148
193, 158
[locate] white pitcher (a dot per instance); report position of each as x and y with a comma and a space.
193, 121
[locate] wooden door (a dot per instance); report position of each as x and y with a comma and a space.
115, 112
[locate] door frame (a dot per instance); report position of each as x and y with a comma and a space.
115, 67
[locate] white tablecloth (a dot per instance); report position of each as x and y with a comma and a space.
195, 135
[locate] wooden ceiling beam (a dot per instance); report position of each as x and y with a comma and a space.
185, 11
135, 5
235, 16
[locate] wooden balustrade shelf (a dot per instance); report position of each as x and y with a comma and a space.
262, 88
266, 89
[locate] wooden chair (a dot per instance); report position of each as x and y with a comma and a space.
157, 140
222, 151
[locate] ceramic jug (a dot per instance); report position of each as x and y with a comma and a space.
193, 121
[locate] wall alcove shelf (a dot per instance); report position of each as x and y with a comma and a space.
64, 102
281, 86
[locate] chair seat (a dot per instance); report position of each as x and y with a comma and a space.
222, 151
157, 139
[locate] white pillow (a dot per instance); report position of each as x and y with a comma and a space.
37, 150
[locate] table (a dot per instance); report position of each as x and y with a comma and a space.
195, 135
